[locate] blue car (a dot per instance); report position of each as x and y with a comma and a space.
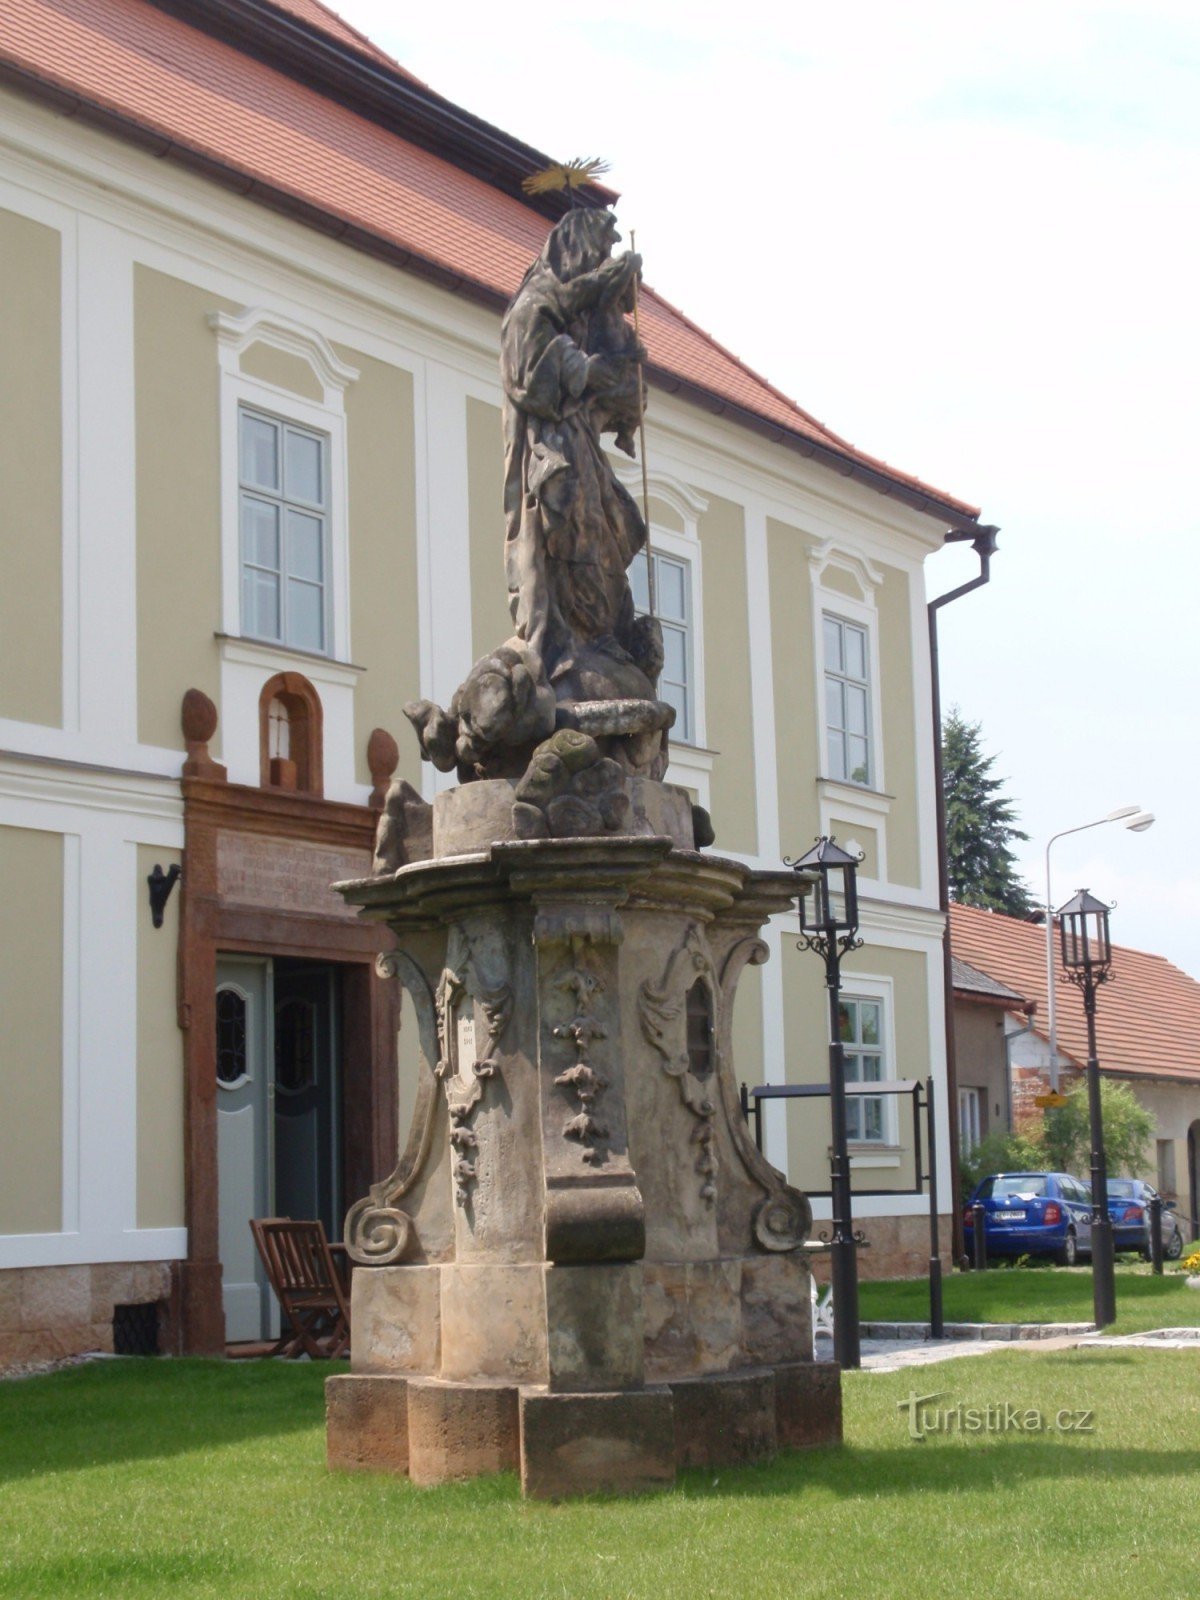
1129, 1208
1032, 1214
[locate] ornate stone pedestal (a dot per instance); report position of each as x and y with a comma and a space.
581, 1266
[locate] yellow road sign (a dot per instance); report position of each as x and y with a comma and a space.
1048, 1102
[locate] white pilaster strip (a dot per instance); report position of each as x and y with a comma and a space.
69, 334
72, 962
106, 487
108, 1046
443, 541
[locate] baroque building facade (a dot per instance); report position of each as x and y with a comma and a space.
253, 473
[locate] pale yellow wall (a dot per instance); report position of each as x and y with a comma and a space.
728, 703
806, 1032
661, 514
383, 555
867, 840
178, 500
160, 1069
796, 745
31, 472
31, 999
491, 623
899, 726
281, 369
749, 1066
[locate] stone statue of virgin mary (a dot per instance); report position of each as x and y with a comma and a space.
569, 365
580, 660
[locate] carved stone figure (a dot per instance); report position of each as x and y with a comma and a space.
569, 363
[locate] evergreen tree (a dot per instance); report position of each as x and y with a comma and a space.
980, 825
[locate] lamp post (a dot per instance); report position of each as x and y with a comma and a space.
830, 936
1137, 821
1087, 962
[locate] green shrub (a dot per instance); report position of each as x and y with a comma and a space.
1000, 1152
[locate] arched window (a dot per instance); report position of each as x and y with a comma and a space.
289, 718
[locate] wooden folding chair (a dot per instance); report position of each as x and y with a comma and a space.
301, 1270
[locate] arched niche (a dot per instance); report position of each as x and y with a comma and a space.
290, 743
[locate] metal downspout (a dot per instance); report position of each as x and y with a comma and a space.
983, 541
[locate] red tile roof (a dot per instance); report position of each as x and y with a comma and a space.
326, 20
1147, 1016
148, 75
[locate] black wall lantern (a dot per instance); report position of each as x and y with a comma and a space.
1087, 963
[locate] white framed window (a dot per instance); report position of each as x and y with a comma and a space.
861, 1027
970, 1120
284, 494
675, 609
283, 518
847, 655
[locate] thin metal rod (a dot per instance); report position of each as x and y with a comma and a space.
843, 1259
1104, 1287
641, 366
937, 1323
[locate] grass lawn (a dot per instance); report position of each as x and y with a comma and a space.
207, 1479
1036, 1294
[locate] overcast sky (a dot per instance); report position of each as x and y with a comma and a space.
966, 238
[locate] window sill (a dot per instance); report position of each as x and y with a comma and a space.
874, 1155
266, 653
859, 794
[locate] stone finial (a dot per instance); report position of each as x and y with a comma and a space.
198, 720
383, 757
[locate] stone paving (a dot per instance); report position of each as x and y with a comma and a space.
909, 1344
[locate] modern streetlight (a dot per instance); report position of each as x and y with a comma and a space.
1137, 821
830, 936
1087, 962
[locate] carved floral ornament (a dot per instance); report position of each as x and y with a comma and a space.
582, 1031
463, 1074
378, 1232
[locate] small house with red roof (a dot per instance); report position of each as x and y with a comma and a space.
1147, 1035
251, 454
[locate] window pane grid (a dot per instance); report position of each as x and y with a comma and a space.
846, 715
672, 595
860, 1028
283, 475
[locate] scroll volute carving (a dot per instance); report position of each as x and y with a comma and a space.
783, 1220
678, 1018
378, 1232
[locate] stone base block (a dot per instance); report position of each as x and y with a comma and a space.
594, 1316
395, 1313
725, 1420
808, 1404
493, 1323
621, 1443
461, 1430
366, 1424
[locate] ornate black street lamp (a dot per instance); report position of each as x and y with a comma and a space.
1087, 961
830, 936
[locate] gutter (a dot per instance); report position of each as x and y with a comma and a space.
983, 542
